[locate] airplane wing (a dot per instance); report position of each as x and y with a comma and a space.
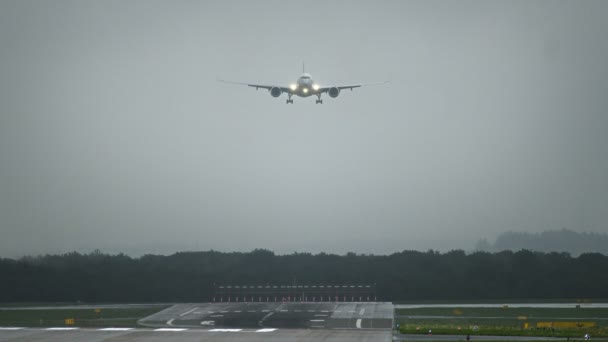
351, 87
258, 86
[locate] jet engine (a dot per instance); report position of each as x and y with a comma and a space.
276, 91
333, 92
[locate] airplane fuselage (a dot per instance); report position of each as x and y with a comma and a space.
305, 86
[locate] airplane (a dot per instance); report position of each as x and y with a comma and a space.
304, 87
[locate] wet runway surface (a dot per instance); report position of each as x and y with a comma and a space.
187, 335
320, 315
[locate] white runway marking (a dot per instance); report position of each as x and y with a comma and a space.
11, 328
265, 310
115, 329
284, 310
225, 330
324, 311
358, 323
187, 312
317, 320
210, 312
170, 329
237, 311
311, 310
170, 322
361, 312
266, 330
320, 315
61, 329
224, 311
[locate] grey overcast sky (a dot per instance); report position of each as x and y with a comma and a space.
114, 133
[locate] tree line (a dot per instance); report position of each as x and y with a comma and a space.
408, 275
563, 240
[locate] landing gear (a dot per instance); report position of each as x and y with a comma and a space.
319, 100
289, 100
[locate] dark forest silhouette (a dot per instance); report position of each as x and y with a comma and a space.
409, 275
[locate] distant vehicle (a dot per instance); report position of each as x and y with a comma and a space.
304, 87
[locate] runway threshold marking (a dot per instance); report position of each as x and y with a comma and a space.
114, 329
170, 329
358, 324
187, 312
61, 329
266, 330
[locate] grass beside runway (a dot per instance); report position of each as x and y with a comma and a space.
501, 321
120, 317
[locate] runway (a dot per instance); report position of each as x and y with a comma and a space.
291, 321
187, 335
290, 315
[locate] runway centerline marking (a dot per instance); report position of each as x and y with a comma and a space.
317, 320
266, 330
320, 315
225, 330
11, 328
187, 312
114, 329
61, 329
170, 329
